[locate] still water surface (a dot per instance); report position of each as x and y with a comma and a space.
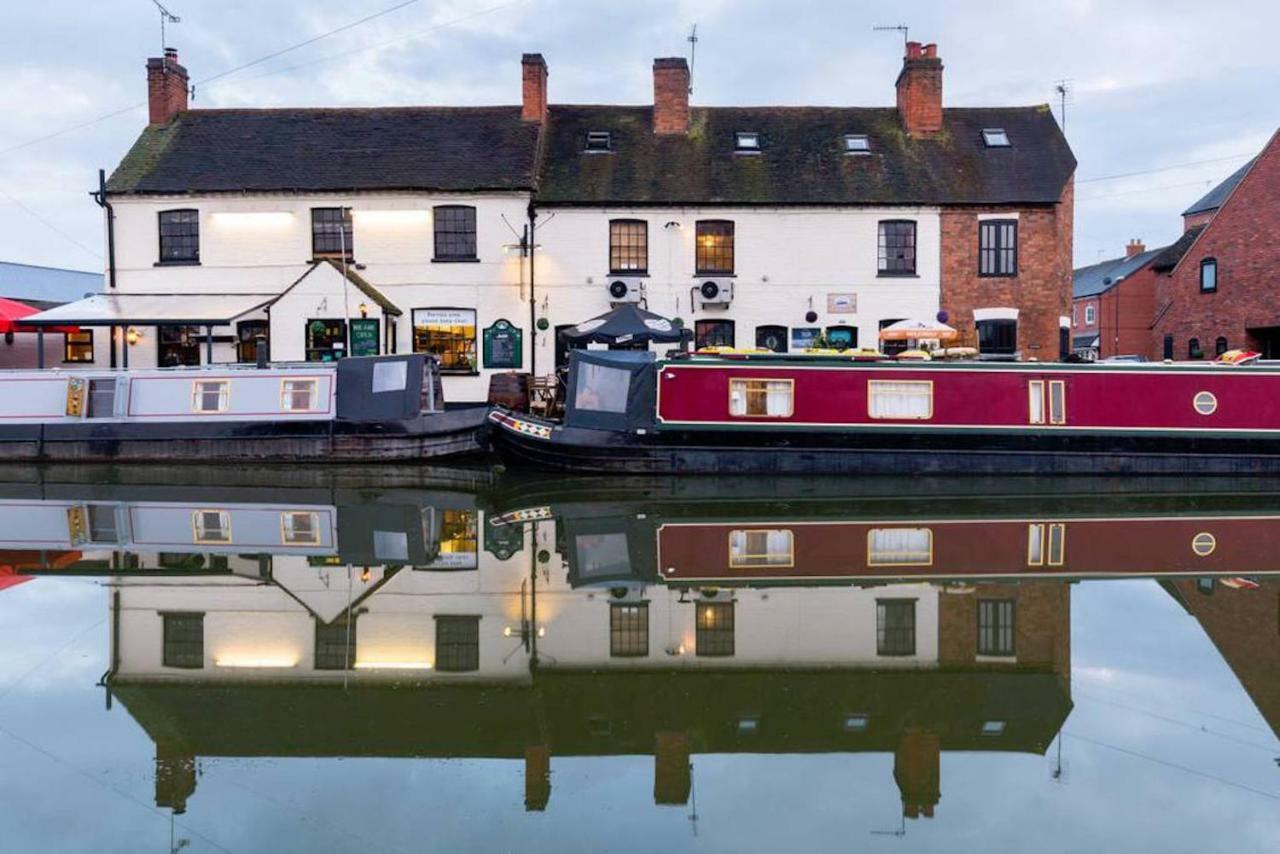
447, 660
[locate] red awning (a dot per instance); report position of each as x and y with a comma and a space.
11, 311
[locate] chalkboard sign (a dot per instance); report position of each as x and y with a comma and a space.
503, 345
364, 337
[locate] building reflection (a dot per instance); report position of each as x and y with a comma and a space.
424, 624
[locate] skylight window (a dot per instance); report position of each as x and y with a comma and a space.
746, 141
995, 138
599, 140
857, 143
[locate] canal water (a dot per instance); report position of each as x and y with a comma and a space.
460, 660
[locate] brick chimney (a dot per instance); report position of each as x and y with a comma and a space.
534, 91
920, 90
1135, 247
166, 87
671, 95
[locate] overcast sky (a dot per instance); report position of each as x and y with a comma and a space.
1154, 83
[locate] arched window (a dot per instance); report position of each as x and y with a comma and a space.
1220, 346
1193, 349
1208, 275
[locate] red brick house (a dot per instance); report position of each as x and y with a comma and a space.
1220, 293
1112, 303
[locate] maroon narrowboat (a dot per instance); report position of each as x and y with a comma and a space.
801, 414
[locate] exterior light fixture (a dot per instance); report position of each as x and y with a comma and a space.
132, 335
364, 310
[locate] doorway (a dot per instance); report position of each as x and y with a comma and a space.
1266, 340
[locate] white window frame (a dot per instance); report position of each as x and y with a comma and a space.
740, 395
742, 557
1046, 543
1090, 315
201, 534
290, 386
198, 392
289, 534
879, 390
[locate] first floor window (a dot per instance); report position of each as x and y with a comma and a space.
772, 338
331, 233
761, 398
713, 254
713, 333
628, 246
895, 627
336, 643
1193, 349
629, 630
713, 629
995, 627
911, 400
897, 247
998, 247
449, 334
457, 644
455, 232
1090, 315
179, 237
999, 337
183, 640
1209, 275
762, 547
78, 346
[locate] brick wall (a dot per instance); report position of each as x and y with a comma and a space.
1042, 289
1242, 239
1042, 625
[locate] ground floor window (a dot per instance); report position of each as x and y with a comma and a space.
177, 346
1168, 347
183, 640
1220, 346
997, 337
249, 334
895, 627
772, 338
448, 333
628, 630
713, 630
335, 647
457, 644
713, 333
995, 627
78, 346
842, 337
326, 339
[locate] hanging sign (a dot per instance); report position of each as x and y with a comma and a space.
364, 336
503, 344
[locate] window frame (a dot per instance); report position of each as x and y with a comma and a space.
348, 623
714, 641
178, 232
998, 249
346, 234
1194, 350
899, 559
468, 239
747, 391
883, 648
996, 138
200, 533
289, 534
620, 249
999, 626
717, 323
997, 323
878, 386
849, 144
67, 344
198, 392
592, 139
1209, 263
90, 410
169, 656
1090, 315
624, 640
458, 647
747, 142
287, 390
472, 353
883, 266
766, 329
702, 255
751, 560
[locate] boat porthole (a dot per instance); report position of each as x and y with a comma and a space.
1204, 543
1205, 402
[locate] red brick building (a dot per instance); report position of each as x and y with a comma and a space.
1112, 304
1221, 292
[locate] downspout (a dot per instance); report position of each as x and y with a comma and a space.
530, 242
101, 198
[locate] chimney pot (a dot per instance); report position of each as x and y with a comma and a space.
670, 95
533, 106
919, 88
166, 87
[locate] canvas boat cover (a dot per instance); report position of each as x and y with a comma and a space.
611, 389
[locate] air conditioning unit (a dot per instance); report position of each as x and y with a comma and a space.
716, 292
625, 290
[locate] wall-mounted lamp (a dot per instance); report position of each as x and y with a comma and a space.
364, 310
132, 336
671, 224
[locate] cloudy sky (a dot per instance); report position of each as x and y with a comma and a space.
1170, 96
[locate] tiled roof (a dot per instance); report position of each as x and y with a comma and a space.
1172, 254
1097, 278
46, 286
1213, 199
392, 148
802, 158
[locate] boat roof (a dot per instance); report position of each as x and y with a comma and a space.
889, 362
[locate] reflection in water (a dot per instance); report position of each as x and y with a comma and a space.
509, 621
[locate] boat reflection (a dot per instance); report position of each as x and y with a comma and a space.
512, 622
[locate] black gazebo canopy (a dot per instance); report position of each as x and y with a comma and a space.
626, 324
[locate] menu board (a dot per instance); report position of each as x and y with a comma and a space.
503, 345
364, 337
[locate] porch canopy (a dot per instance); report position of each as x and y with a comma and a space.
626, 324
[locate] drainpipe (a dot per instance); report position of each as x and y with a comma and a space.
529, 242
100, 196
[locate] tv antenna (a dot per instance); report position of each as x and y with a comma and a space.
895, 28
1062, 88
692, 39
165, 17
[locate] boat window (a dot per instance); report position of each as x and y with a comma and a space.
762, 398
601, 388
907, 400
713, 629
1203, 544
210, 395
102, 524
766, 547
298, 395
1035, 401
1046, 544
1205, 402
102, 399
298, 528
390, 376
1057, 402
629, 630
900, 547
211, 526
1057, 543
895, 627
